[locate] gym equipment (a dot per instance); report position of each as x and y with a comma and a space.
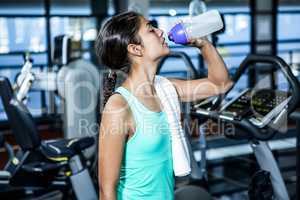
258, 115
45, 165
296, 116
191, 70
78, 84
25, 78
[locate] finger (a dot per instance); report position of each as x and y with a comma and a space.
192, 40
204, 38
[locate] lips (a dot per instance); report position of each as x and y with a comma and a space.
163, 42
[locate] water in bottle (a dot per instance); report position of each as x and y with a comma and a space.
197, 7
196, 27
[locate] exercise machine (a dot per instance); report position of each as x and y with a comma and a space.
59, 164
43, 164
257, 115
77, 83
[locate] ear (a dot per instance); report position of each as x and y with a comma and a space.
135, 49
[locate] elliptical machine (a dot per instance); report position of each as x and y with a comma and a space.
76, 81
40, 166
257, 116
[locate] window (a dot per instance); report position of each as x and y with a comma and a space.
74, 7
24, 7
16, 34
23, 28
289, 36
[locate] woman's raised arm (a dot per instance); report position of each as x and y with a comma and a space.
217, 81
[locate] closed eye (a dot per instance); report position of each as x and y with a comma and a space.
151, 28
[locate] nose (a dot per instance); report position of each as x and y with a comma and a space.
159, 32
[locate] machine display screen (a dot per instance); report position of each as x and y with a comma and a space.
240, 106
264, 101
256, 103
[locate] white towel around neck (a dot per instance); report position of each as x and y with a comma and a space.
169, 99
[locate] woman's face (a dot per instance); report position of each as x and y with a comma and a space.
154, 45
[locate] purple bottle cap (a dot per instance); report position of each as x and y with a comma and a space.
178, 35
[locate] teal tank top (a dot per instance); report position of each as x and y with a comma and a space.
147, 170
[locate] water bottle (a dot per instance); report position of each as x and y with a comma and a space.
197, 7
196, 27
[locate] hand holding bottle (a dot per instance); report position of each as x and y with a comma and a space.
198, 42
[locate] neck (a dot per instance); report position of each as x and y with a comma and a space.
141, 76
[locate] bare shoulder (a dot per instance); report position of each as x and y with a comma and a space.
115, 116
116, 105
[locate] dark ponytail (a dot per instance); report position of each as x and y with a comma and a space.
109, 85
111, 46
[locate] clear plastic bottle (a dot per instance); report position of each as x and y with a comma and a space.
196, 27
197, 7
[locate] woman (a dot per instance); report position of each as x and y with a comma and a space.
135, 160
